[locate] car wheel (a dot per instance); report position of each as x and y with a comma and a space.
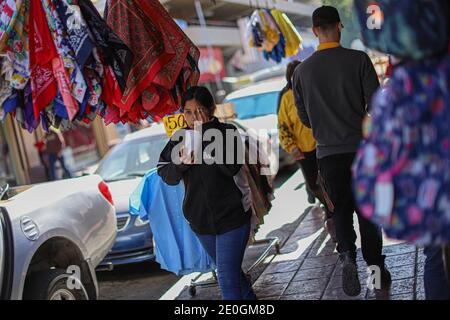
54, 284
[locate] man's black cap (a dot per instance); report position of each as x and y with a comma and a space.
325, 15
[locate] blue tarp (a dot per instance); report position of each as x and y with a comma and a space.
177, 248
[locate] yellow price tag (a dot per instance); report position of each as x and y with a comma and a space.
173, 123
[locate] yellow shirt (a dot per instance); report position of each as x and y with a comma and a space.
292, 132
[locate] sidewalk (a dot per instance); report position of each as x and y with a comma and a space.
307, 267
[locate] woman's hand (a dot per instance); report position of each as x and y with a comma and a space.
200, 116
185, 157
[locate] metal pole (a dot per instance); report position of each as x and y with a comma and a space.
201, 18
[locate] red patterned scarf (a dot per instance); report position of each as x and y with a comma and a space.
42, 53
160, 51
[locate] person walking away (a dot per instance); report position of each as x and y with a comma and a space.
217, 205
332, 91
54, 146
297, 140
40, 147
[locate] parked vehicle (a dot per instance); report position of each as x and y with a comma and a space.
256, 108
52, 238
122, 169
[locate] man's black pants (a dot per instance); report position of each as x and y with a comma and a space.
336, 172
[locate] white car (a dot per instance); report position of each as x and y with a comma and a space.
52, 237
256, 108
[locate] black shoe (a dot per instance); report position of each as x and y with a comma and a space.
386, 278
350, 278
311, 198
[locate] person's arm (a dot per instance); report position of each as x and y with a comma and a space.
287, 139
298, 98
370, 82
170, 172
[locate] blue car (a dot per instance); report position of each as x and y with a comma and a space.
122, 169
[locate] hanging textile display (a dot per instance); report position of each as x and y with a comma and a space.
62, 63
177, 248
164, 64
52, 65
272, 32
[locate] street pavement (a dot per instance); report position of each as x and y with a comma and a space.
307, 267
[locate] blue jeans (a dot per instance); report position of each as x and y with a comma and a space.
227, 251
52, 158
436, 284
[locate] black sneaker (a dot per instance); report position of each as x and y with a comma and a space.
311, 198
386, 278
350, 279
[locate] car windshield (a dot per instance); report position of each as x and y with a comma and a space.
132, 159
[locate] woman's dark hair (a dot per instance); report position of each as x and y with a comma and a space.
290, 72
202, 95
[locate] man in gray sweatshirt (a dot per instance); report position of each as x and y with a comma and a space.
332, 90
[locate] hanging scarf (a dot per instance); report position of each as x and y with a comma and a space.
76, 29
42, 53
70, 79
30, 121
115, 52
8, 15
5, 79
159, 45
17, 48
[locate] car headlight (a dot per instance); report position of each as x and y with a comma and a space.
138, 222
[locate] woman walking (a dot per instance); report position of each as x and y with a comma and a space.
217, 201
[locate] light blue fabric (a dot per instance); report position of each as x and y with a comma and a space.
256, 106
177, 248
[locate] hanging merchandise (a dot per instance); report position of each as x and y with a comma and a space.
412, 29
177, 248
61, 63
113, 49
164, 64
272, 33
401, 172
293, 40
53, 65
9, 10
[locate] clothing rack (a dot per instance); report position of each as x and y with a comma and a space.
274, 242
